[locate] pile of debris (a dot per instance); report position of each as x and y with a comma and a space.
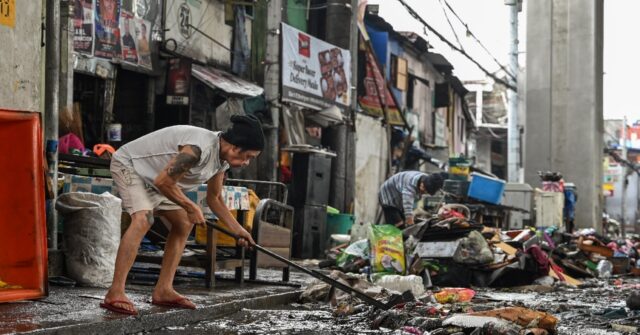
450, 249
427, 271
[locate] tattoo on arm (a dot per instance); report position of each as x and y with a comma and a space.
181, 164
196, 151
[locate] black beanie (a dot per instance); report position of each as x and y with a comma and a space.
246, 133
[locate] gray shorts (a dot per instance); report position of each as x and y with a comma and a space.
136, 195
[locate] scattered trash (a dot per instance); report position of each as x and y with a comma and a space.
409, 330
523, 317
633, 301
544, 281
535, 331
471, 321
614, 313
625, 328
401, 284
604, 269
449, 252
501, 328
387, 249
453, 295
473, 249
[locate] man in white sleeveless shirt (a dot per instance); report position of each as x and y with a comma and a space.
151, 175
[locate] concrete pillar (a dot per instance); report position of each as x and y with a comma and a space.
564, 123
341, 138
268, 160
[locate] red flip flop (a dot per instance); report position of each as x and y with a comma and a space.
110, 306
177, 303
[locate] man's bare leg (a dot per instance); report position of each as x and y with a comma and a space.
180, 229
127, 252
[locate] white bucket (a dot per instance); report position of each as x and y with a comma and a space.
114, 132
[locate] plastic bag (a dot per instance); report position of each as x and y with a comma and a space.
91, 236
387, 249
357, 249
605, 268
473, 249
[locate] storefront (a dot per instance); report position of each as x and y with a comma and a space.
115, 64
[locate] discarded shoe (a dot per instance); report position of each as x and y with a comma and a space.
110, 306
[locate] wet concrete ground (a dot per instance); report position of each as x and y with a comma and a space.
75, 310
591, 310
268, 309
295, 319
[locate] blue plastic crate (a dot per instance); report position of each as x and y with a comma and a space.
486, 189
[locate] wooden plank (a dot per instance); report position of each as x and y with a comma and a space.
509, 250
271, 235
568, 279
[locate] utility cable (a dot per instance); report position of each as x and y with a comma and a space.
415, 15
451, 25
466, 26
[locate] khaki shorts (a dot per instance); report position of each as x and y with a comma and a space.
136, 195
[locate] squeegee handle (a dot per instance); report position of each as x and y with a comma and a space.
313, 273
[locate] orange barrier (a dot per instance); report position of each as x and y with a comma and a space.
23, 237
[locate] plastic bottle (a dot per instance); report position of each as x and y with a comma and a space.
402, 283
604, 269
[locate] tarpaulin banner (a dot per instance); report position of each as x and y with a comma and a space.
370, 101
315, 74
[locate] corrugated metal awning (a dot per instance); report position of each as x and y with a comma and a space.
221, 80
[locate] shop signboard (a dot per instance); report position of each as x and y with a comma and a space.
315, 74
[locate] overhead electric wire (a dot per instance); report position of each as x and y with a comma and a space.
477, 40
451, 25
415, 15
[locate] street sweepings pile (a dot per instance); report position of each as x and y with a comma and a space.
435, 268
